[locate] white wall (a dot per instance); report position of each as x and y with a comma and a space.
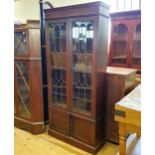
26, 9
29, 9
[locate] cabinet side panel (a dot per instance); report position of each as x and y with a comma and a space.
115, 91
36, 90
101, 95
102, 42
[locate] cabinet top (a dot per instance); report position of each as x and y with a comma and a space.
28, 24
94, 8
126, 15
120, 71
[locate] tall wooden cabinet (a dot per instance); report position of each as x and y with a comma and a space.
125, 48
28, 78
76, 38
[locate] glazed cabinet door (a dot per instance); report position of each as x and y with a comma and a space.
15, 93
57, 53
20, 43
22, 89
82, 62
120, 43
136, 45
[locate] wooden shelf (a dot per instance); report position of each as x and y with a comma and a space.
58, 86
82, 99
58, 68
83, 54
78, 87
119, 57
136, 57
82, 71
58, 53
81, 111
55, 93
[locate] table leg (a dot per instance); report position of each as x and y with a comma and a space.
122, 139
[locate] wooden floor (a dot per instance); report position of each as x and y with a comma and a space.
43, 144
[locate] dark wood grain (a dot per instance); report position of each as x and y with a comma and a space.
35, 123
82, 129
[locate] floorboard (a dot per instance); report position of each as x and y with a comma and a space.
43, 144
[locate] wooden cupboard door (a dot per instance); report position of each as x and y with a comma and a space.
20, 43
23, 89
82, 51
59, 120
82, 129
135, 58
57, 58
120, 43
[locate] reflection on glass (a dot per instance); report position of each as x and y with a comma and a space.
75, 33
63, 38
82, 43
136, 50
89, 38
82, 38
20, 43
119, 44
82, 49
82, 34
23, 89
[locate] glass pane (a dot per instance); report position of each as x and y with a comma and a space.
63, 38
82, 34
52, 38
90, 38
58, 63
82, 49
82, 91
23, 89
57, 35
20, 43
136, 50
120, 44
58, 87
57, 39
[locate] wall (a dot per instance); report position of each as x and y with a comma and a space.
26, 9
29, 9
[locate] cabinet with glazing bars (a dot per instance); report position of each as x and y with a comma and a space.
125, 46
76, 38
28, 77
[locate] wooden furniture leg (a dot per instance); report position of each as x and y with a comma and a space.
122, 139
